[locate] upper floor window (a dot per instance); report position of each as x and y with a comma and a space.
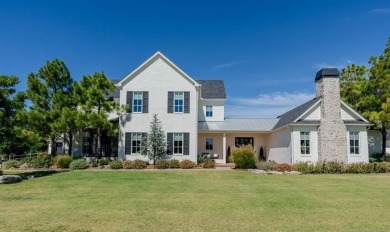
178, 102
209, 111
305, 143
354, 143
137, 102
209, 143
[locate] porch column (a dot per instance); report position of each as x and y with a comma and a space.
224, 148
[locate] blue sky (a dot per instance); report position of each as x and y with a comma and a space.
267, 52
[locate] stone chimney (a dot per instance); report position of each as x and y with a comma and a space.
332, 133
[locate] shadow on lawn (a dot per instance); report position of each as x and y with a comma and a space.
38, 173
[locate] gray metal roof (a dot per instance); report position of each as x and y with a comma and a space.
239, 124
212, 89
327, 72
293, 114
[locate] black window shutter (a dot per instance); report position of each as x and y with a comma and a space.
170, 143
186, 150
170, 102
129, 100
127, 143
145, 103
186, 102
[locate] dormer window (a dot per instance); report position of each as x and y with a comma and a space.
209, 111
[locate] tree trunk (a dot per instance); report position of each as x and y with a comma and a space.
99, 144
70, 144
384, 138
53, 147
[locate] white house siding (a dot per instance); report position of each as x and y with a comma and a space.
259, 140
158, 79
347, 115
314, 114
218, 110
280, 146
374, 141
363, 145
296, 147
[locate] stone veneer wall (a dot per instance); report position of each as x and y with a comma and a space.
332, 138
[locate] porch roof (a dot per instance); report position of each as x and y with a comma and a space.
239, 124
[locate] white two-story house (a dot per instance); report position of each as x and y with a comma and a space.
192, 114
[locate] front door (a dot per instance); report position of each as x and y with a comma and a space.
244, 141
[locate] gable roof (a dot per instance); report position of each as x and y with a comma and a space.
212, 89
292, 115
151, 60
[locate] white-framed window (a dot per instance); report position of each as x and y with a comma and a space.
136, 140
178, 143
209, 111
178, 102
354, 143
305, 142
209, 143
137, 102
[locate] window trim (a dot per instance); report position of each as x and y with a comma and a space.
356, 136
140, 96
209, 111
305, 133
209, 145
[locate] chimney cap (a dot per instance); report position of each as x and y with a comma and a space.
327, 73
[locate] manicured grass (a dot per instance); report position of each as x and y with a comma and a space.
194, 200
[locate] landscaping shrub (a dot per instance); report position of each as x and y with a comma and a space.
333, 167
127, 164
382, 167
304, 167
78, 164
102, 162
375, 157
360, 168
244, 157
63, 161
283, 167
10, 164
139, 164
162, 164
174, 163
116, 164
266, 166
1, 172
43, 160
209, 164
202, 158
187, 164
94, 164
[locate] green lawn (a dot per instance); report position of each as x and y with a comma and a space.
197, 200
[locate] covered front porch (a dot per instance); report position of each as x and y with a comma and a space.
218, 145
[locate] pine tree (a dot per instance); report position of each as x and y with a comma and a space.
154, 144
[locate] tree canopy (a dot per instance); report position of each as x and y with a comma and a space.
367, 89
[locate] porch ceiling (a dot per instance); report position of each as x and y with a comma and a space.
239, 124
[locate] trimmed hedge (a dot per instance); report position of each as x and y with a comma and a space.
339, 168
162, 164
63, 161
174, 163
78, 164
116, 164
187, 164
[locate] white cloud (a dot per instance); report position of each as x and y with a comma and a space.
339, 66
380, 11
265, 105
226, 65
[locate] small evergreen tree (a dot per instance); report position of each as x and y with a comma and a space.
154, 144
